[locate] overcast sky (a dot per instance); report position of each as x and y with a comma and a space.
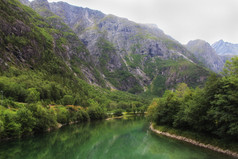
184, 20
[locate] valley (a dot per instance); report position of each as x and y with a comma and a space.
62, 64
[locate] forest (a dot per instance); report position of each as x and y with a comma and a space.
211, 110
33, 103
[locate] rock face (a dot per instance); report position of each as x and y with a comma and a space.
226, 57
125, 50
225, 48
25, 2
31, 41
206, 54
117, 53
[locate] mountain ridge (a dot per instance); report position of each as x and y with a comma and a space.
225, 48
121, 54
127, 37
206, 54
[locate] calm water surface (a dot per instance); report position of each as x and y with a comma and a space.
113, 139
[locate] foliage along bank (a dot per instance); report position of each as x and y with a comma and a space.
31, 104
211, 110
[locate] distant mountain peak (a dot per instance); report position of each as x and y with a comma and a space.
222, 41
205, 54
197, 41
152, 25
225, 48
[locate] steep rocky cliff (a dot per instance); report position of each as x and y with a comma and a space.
127, 53
119, 53
206, 54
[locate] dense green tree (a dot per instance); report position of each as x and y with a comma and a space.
26, 119
62, 115
224, 110
33, 95
11, 127
45, 118
231, 68
152, 110
85, 115
68, 100
118, 112
96, 113
212, 109
1, 127
168, 106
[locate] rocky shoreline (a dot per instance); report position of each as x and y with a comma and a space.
194, 142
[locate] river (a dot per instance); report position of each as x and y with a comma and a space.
113, 139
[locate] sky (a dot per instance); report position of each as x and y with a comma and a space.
184, 20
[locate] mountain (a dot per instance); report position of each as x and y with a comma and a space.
42, 59
131, 56
103, 50
206, 54
49, 36
225, 48
39, 55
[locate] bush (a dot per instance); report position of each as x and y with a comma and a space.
96, 113
1, 127
33, 95
118, 112
62, 115
26, 119
11, 128
68, 100
85, 115
82, 115
45, 118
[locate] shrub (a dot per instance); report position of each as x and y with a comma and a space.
1, 127
33, 95
62, 115
68, 100
26, 119
96, 113
45, 118
85, 115
118, 112
11, 128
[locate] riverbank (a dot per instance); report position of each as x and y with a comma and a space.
116, 117
125, 115
194, 142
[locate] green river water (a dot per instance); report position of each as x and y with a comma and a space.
112, 139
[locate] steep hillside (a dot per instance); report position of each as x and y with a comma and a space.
225, 48
82, 63
30, 40
34, 54
131, 56
46, 59
206, 54
226, 57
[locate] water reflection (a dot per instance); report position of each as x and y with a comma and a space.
118, 138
